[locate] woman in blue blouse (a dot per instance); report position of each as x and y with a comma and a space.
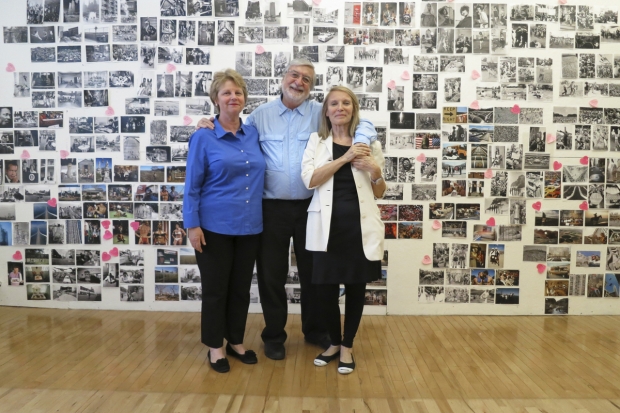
223, 211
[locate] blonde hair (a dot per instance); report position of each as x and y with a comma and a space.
219, 78
326, 125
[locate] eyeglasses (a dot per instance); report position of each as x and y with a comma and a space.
295, 75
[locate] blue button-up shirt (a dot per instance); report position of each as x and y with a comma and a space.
224, 181
284, 134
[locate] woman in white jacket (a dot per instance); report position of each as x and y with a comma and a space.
344, 230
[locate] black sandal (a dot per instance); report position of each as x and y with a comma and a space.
249, 357
221, 365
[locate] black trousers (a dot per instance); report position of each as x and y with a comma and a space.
283, 219
226, 264
353, 309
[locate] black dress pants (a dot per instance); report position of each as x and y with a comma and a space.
283, 219
226, 264
353, 309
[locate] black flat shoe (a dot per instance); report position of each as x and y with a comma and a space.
221, 365
346, 368
249, 357
322, 360
275, 351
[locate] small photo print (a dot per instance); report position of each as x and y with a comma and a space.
429, 295
482, 296
166, 292
556, 306
507, 296
132, 293
434, 277
191, 293
482, 277
38, 292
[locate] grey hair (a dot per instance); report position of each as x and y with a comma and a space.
301, 61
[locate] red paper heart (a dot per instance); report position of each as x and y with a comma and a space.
135, 225
421, 158
537, 205
17, 255
474, 105
52, 202
114, 252
436, 224
475, 74
541, 268
108, 234
391, 85
105, 256
10, 68
557, 165
187, 120
105, 224
491, 222
64, 154
515, 109
405, 75
584, 160
25, 154
426, 260
109, 111
584, 206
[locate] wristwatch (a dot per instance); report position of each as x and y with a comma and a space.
376, 181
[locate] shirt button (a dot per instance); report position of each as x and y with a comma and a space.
247, 174
241, 150
246, 188
247, 202
247, 161
361, 200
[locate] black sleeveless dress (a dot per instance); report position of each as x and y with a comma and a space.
344, 261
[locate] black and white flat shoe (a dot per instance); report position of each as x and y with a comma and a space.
346, 368
322, 360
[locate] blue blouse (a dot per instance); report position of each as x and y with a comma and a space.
224, 181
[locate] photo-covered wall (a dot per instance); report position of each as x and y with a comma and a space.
500, 124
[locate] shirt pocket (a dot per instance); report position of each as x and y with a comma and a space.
273, 148
302, 142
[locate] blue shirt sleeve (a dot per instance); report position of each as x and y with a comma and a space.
195, 176
365, 132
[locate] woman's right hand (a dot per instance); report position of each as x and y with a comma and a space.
356, 150
197, 238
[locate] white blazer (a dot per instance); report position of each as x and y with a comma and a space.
318, 153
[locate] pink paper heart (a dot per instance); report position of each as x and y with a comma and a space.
109, 111
135, 225
114, 252
105, 256
25, 154
584, 160
17, 255
584, 206
10, 68
64, 154
551, 138
391, 84
187, 120
259, 49
405, 75
105, 224
562, 1
594, 103
52, 202
541, 268
170, 68
475, 74
426, 260
436, 224
557, 165
108, 234
516, 109
450, 1
421, 157
537, 205
316, 2
474, 105
491, 222
488, 174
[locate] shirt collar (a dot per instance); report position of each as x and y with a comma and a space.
220, 132
299, 109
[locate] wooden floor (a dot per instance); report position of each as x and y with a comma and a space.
114, 361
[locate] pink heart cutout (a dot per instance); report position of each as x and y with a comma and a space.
105, 224
391, 84
405, 75
594, 103
475, 74
516, 109
584, 206
114, 252
108, 234
436, 224
25, 154
259, 49
426, 260
491, 222
105, 256
187, 120
17, 255
584, 160
135, 225
537, 205
557, 165
316, 2
64, 154
563, 1
551, 138
109, 111
474, 105
541, 268
10, 68
170, 68
488, 174
421, 158
52, 202
450, 1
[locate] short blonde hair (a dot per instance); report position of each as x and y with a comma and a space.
326, 125
219, 78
